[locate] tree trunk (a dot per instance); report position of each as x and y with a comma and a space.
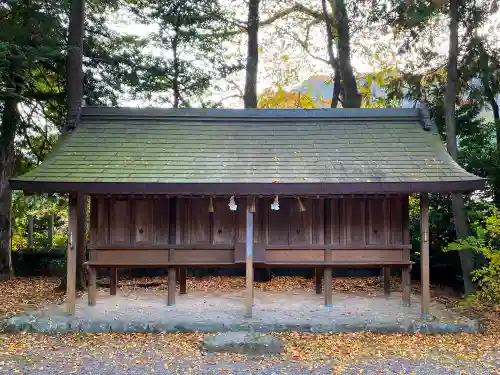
175, 81
74, 68
8, 125
50, 231
74, 85
459, 214
10, 122
250, 95
351, 98
334, 63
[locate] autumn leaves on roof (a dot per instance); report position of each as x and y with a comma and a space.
230, 151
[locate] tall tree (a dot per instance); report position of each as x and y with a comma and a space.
74, 72
459, 213
250, 95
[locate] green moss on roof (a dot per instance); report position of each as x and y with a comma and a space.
227, 146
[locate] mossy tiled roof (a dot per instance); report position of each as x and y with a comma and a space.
156, 149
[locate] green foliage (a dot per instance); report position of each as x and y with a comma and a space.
486, 242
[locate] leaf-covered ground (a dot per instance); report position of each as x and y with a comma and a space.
356, 353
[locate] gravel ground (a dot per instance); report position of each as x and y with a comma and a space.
215, 312
157, 363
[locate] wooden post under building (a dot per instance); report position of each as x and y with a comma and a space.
71, 253
249, 260
424, 253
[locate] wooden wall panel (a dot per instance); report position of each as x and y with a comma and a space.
295, 255
367, 255
279, 222
143, 221
132, 257
335, 222
225, 221
198, 223
396, 220
259, 217
102, 229
120, 221
300, 231
378, 221
161, 221
355, 220
318, 221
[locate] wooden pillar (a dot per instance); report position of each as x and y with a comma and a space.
406, 285
387, 281
328, 279
92, 285
50, 231
424, 253
317, 280
71, 254
171, 286
249, 260
328, 287
182, 281
113, 281
30, 232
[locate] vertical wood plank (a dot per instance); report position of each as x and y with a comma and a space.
161, 221
113, 281
397, 214
199, 220
355, 220
300, 232
249, 263
92, 286
102, 229
144, 215
424, 253
279, 223
71, 255
328, 280
182, 281
318, 221
224, 222
171, 286
406, 285
387, 281
317, 280
119, 221
378, 228
93, 239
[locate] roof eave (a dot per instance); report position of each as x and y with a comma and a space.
251, 188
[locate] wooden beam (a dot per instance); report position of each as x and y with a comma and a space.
182, 280
92, 285
171, 286
424, 253
387, 281
113, 281
249, 262
30, 232
317, 280
71, 254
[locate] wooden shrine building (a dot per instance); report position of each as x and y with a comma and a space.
180, 188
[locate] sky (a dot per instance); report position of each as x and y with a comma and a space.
282, 61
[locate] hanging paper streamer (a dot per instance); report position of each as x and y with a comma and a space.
276, 204
211, 205
302, 208
232, 204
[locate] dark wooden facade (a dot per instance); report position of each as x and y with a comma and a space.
185, 231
